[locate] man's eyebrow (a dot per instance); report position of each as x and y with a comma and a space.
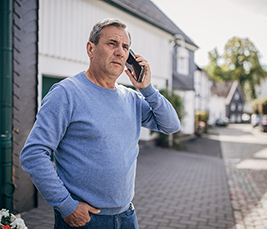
115, 41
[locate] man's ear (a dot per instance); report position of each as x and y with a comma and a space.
90, 48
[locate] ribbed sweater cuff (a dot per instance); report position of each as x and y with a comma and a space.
149, 90
68, 207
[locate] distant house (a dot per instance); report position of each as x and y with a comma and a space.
227, 100
183, 68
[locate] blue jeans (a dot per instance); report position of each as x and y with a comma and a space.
124, 220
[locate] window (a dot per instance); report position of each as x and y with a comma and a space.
233, 118
236, 96
182, 61
233, 106
48, 83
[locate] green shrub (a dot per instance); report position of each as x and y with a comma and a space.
264, 106
259, 106
201, 116
177, 102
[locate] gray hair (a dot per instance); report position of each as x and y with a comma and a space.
97, 29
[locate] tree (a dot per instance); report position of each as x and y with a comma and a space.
241, 62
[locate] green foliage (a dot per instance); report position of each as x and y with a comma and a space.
264, 106
201, 122
259, 106
256, 106
214, 69
240, 62
6, 220
202, 116
177, 102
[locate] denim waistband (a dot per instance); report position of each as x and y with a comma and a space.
107, 211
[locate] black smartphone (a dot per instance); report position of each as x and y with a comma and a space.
133, 65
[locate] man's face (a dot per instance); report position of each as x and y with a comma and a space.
110, 54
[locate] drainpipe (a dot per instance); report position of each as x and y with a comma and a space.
7, 187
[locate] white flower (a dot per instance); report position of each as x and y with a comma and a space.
4, 213
12, 217
18, 223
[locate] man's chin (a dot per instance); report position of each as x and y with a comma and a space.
116, 73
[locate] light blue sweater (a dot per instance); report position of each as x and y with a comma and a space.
93, 133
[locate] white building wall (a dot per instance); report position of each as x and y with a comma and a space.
197, 86
64, 27
216, 109
202, 86
188, 122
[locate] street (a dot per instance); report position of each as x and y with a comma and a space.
218, 181
244, 151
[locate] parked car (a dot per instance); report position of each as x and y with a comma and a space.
224, 121
255, 120
245, 118
263, 123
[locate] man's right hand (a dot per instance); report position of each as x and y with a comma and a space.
81, 215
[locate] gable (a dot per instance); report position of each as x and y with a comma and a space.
234, 91
221, 89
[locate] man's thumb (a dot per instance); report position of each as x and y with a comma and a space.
93, 210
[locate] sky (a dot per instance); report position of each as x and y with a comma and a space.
211, 23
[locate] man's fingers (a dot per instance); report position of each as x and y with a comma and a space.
131, 77
93, 210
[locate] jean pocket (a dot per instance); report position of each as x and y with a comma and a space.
128, 214
61, 224
129, 219
86, 226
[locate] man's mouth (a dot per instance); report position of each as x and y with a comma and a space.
117, 62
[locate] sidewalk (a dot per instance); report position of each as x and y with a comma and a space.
173, 190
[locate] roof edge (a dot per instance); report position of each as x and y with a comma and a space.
144, 19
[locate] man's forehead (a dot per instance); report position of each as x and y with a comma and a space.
115, 33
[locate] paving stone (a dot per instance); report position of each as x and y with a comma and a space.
178, 189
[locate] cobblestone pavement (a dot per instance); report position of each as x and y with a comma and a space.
173, 190
182, 190
178, 189
244, 150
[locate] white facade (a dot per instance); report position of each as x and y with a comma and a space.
64, 27
262, 90
188, 123
202, 84
217, 109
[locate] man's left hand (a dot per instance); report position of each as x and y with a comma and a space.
147, 75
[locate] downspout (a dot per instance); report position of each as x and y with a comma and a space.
6, 184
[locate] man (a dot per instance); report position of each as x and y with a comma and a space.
92, 125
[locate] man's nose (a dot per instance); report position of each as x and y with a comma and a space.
119, 51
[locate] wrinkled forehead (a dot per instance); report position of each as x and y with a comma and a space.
115, 33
